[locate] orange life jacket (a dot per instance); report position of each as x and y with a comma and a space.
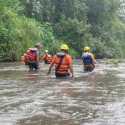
47, 58
31, 56
62, 64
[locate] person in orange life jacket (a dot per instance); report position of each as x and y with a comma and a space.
31, 58
88, 60
63, 63
38, 47
47, 57
34, 54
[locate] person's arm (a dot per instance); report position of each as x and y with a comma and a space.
51, 65
71, 65
93, 59
49, 71
71, 70
42, 58
37, 57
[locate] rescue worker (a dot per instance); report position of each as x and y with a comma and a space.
32, 59
47, 58
35, 65
63, 63
88, 60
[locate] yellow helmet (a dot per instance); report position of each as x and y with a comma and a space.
64, 47
87, 48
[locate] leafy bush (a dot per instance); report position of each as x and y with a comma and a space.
18, 33
93, 23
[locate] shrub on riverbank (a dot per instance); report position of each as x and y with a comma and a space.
18, 33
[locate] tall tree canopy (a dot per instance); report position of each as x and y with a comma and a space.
77, 22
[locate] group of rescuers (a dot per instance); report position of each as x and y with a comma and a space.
62, 60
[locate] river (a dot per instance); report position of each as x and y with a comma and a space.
96, 98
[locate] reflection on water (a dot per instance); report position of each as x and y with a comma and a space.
96, 98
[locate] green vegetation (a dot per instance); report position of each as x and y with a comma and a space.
77, 22
18, 33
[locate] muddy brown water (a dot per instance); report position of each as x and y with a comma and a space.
96, 98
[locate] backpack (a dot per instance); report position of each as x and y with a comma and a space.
31, 56
87, 59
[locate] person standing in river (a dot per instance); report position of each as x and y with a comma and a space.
32, 57
35, 65
88, 60
63, 63
47, 57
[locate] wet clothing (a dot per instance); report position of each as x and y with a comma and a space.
47, 58
62, 75
62, 64
32, 56
33, 66
88, 61
89, 68
32, 59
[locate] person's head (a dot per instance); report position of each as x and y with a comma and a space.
86, 49
46, 51
39, 45
64, 47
